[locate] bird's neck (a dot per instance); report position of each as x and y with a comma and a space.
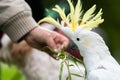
93, 57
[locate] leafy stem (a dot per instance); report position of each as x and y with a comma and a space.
66, 58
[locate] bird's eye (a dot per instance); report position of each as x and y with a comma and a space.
78, 39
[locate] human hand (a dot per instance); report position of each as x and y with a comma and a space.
72, 48
39, 37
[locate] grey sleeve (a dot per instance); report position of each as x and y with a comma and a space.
16, 18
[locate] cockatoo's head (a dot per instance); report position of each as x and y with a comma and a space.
79, 25
83, 38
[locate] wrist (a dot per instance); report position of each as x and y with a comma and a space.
38, 34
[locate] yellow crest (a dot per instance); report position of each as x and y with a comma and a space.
76, 17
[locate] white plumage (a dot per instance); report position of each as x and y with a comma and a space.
99, 63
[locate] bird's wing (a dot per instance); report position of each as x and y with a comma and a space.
103, 74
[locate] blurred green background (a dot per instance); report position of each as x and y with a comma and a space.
10, 72
110, 28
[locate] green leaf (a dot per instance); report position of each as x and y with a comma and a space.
71, 65
78, 75
66, 58
61, 70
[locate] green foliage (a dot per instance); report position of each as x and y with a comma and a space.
66, 58
10, 72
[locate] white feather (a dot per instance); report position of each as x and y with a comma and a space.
98, 61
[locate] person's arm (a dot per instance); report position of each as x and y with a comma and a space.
16, 18
41, 37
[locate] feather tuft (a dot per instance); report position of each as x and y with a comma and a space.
76, 17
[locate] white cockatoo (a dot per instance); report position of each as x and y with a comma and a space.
99, 63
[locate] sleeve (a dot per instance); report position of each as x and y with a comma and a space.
16, 18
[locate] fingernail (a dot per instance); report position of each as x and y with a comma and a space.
55, 50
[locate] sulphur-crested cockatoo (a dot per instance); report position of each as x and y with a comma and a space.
99, 63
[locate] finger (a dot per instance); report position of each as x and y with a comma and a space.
59, 47
63, 41
52, 44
